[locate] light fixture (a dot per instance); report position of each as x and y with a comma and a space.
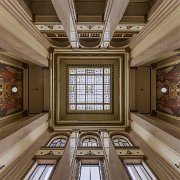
163, 90
14, 89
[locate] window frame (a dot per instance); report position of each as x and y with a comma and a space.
97, 162
89, 141
110, 111
54, 138
143, 163
39, 162
122, 137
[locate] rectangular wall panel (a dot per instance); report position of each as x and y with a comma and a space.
143, 84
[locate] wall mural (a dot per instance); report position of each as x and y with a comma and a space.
168, 90
11, 90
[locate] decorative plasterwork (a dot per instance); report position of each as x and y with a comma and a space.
62, 63
62, 34
89, 34
81, 152
50, 27
130, 27
133, 152
49, 153
57, 115
90, 27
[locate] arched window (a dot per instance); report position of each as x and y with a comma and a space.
89, 142
58, 142
121, 142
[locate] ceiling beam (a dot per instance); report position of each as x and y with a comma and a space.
113, 14
66, 13
19, 36
160, 35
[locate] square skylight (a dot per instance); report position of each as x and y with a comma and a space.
89, 89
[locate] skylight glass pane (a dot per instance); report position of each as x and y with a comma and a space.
89, 89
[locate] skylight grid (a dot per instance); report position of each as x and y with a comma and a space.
89, 89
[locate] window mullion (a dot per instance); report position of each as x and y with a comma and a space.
103, 88
76, 90
85, 90
90, 171
137, 172
42, 172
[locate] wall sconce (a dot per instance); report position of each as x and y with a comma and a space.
14, 89
163, 90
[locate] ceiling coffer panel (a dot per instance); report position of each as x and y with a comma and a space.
90, 10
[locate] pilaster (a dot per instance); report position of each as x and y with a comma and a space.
115, 166
161, 168
64, 168
19, 167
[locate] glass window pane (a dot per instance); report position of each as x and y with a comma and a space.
116, 144
142, 172
95, 175
121, 142
90, 172
85, 173
133, 173
60, 142
41, 172
46, 172
89, 142
139, 172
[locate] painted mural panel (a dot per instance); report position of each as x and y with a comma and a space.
11, 90
168, 90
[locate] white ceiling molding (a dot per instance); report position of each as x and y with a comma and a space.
159, 36
114, 12
66, 13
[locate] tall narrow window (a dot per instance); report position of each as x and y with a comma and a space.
41, 172
140, 171
90, 89
90, 172
59, 142
89, 142
120, 142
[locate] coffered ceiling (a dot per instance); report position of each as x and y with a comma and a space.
89, 23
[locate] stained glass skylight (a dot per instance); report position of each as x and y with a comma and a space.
89, 89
